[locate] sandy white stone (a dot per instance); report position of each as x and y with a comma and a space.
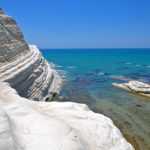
138, 86
31, 125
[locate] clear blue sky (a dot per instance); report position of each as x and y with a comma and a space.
82, 23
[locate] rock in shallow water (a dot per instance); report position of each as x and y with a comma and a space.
31, 125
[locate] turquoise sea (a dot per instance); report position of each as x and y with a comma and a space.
89, 74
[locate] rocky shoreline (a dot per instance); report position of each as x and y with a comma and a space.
29, 123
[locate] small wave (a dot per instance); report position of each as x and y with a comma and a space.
128, 63
55, 65
100, 73
60, 72
71, 67
52, 65
59, 66
137, 65
148, 66
119, 77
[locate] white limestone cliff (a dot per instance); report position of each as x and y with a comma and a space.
23, 66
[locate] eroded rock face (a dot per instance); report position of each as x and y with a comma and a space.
31, 125
22, 65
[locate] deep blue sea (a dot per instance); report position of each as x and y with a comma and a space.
89, 74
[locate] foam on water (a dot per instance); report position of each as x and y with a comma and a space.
71, 67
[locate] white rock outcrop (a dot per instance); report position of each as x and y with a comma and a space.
138, 86
23, 66
32, 125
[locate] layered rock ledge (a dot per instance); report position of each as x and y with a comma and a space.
23, 66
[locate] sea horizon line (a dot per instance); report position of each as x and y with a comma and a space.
90, 48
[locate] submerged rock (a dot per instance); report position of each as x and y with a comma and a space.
136, 87
31, 125
22, 65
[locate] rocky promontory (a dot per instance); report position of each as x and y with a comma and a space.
38, 125
22, 65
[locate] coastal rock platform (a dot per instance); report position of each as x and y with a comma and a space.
136, 87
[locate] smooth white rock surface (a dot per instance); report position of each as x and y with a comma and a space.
32, 125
